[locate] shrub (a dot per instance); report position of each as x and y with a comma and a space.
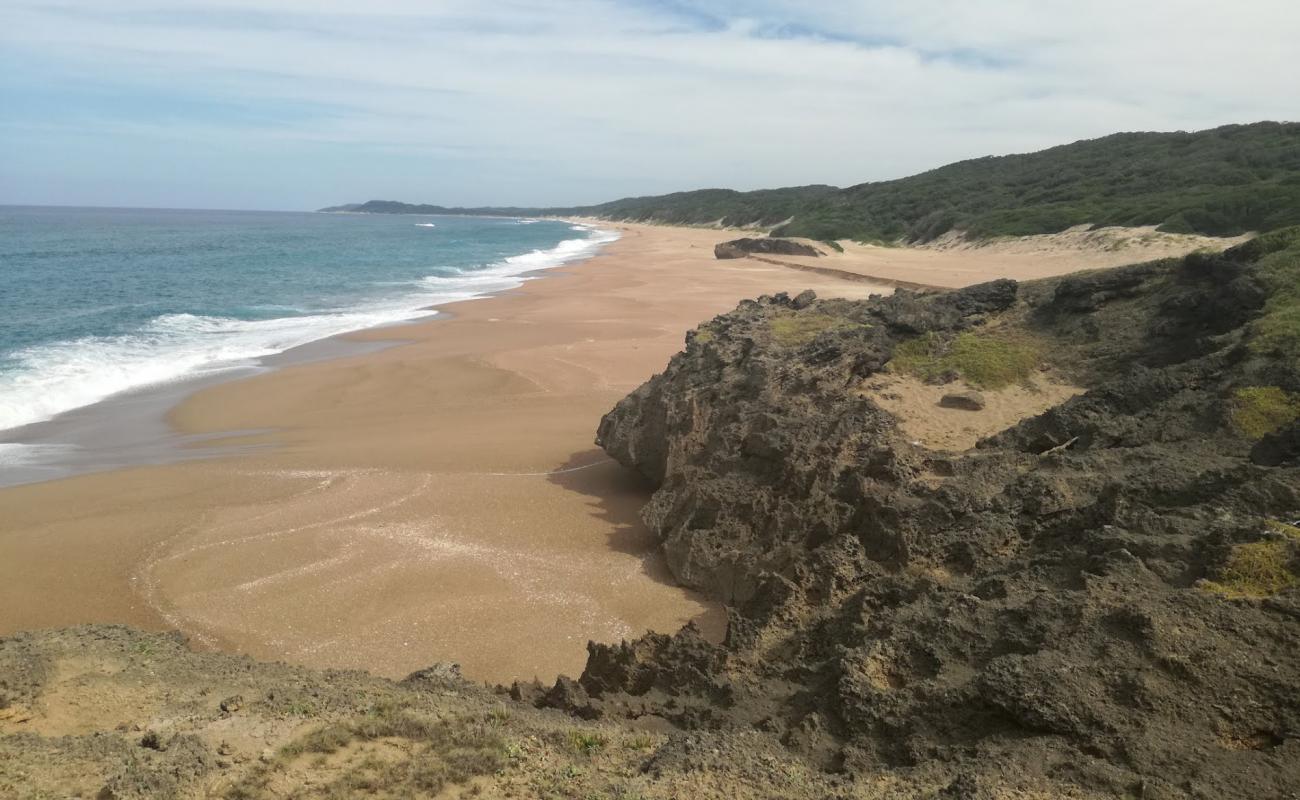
1277, 331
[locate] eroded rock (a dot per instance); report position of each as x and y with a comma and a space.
1029, 606
740, 248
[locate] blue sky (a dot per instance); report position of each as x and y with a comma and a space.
295, 104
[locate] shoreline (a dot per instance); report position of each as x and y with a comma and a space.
436, 499
131, 428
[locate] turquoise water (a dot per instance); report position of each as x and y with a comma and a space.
96, 302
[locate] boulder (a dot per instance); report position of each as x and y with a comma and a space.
965, 400
739, 248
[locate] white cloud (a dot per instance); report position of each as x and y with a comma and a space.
587, 97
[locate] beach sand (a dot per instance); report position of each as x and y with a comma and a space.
438, 500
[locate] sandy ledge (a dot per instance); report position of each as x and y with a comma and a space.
437, 500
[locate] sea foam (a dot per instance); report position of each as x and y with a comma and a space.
42, 381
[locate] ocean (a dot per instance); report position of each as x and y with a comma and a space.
95, 303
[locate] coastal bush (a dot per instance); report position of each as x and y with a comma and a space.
1225, 181
1181, 182
1277, 331
1258, 569
985, 361
1259, 410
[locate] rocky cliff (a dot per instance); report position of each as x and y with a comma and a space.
1099, 600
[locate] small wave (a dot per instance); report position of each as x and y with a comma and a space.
425, 225
14, 454
49, 379
45, 380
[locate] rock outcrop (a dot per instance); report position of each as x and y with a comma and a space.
740, 248
1060, 609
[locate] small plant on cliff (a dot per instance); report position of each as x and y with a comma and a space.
1284, 528
435, 752
1258, 569
985, 361
586, 742
1259, 410
798, 329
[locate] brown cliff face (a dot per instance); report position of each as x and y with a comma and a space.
1068, 604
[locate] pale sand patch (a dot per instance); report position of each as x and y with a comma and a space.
952, 261
916, 406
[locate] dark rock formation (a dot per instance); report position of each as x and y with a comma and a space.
739, 248
1021, 614
966, 400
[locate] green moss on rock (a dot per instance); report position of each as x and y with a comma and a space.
986, 361
798, 329
1258, 569
1259, 410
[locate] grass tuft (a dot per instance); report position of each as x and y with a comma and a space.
434, 753
798, 329
1259, 410
586, 742
1283, 528
985, 361
1258, 569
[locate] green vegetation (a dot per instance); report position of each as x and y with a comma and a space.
1284, 528
1258, 569
984, 360
1277, 332
390, 752
643, 741
1259, 410
1224, 181
798, 329
586, 742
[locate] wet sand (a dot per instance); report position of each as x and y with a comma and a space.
437, 500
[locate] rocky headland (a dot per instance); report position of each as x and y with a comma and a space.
1100, 599
1095, 594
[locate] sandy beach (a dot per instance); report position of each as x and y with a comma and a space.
438, 500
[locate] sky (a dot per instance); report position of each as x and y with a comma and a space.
298, 104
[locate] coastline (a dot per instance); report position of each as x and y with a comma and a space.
435, 498
128, 428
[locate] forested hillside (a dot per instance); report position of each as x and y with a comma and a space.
1224, 181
